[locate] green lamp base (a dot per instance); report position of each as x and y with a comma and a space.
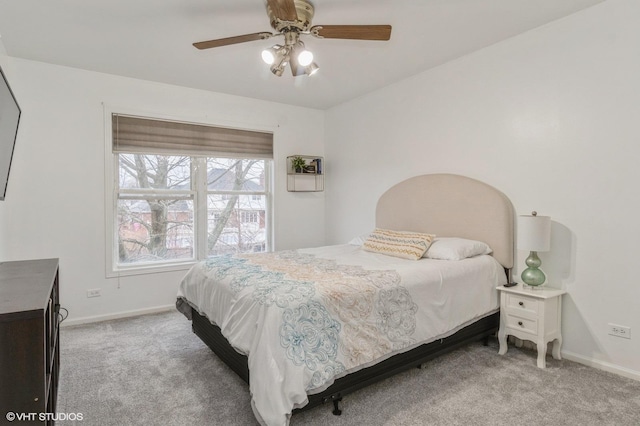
532, 276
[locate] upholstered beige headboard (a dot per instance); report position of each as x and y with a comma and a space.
451, 206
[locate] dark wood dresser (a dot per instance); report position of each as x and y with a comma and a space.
29, 344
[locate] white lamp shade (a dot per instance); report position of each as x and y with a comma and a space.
534, 233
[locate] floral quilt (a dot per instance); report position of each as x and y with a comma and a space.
305, 318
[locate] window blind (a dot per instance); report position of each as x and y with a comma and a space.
146, 135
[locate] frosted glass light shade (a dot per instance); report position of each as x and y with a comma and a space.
305, 58
534, 233
272, 54
312, 68
268, 56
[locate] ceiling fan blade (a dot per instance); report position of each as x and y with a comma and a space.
353, 32
231, 40
284, 10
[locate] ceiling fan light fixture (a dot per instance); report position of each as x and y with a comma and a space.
300, 59
311, 69
277, 70
302, 56
270, 54
268, 57
281, 61
305, 57
297, 69
292, 19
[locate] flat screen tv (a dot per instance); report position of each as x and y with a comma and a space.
9, 119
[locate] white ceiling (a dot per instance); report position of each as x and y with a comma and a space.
152, 40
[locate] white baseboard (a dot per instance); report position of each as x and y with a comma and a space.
590, 362
117, 315
602, 365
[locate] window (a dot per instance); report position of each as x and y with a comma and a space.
235, 192
249, 216
155, 208
172, 207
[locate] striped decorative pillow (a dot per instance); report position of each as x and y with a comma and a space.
408, 245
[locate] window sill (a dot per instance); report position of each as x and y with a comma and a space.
149, 269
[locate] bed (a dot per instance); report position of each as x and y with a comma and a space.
314, 325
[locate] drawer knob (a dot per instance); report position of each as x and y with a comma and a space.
520, 323
521, 303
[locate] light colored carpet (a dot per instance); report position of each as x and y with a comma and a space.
152, 370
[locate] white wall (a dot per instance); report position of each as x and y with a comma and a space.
55, 200
3, 54
551, 119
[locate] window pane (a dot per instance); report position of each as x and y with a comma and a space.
229, 174
236, 224
151, 230
157, 212
137, 171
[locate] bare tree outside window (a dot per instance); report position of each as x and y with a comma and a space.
235, 186
157, 211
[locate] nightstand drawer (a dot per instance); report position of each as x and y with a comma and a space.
524, 324
522, 304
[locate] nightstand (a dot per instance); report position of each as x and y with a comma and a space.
531, 314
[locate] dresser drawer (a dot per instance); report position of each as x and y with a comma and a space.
524, 324
519, 304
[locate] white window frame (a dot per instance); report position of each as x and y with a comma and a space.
112, 269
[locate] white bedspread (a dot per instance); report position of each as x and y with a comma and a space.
307, 317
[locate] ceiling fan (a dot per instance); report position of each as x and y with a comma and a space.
291, 19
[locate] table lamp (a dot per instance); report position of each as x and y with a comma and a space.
534, 234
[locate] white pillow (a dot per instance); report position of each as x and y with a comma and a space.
359, 240
455, 249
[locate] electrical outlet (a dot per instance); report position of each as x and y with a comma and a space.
620, 331
94, 292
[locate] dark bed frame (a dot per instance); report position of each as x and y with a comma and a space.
442, 204
479, 330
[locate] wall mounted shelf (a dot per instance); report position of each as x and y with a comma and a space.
305, 178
